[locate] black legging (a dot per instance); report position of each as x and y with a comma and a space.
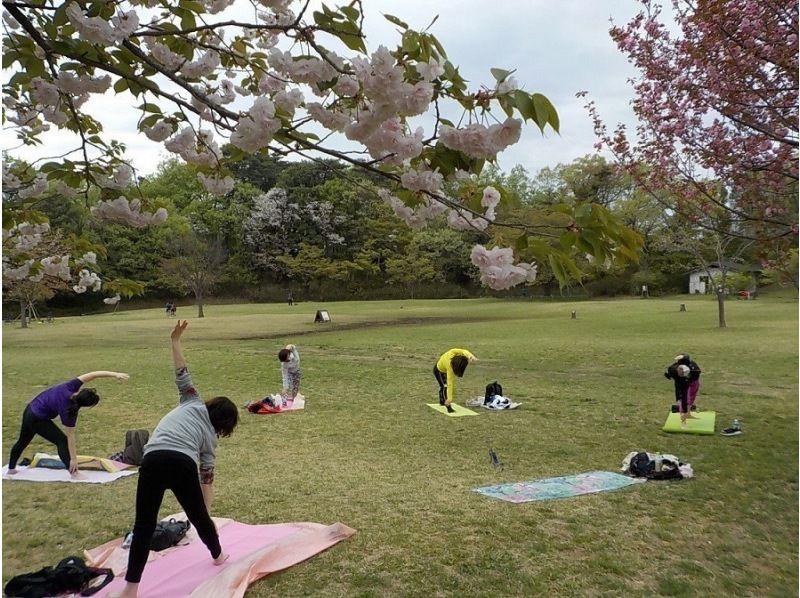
31, 426
441, 378
160, 471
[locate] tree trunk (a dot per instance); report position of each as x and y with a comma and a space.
198, 296
23, 313
721, 305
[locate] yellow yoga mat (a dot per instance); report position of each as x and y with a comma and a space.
704, 424
459, 410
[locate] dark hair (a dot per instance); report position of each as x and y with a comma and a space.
459, 363
223, 415
85, 397
685, 359
284, 354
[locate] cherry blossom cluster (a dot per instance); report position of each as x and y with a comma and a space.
461, 219
24, 235
480, 141
87, 280
416, 218
497, 267
123, 211
99, 30
216, 184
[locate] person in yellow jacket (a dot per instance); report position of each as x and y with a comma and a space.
451, 364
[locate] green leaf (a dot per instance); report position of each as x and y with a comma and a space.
350, 35
410, 42
322, 19
521, 243
396, 21
505, 104
149, 121
195, 7
525, 105
438, 46
9, 57
147, 107
188, 21
558, 269
500, 74
546, 112
568, 239
351, 12
582, 213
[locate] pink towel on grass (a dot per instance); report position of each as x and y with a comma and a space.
256, 551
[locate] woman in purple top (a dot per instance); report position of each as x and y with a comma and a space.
64, 401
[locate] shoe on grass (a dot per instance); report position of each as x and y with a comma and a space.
450, 409
731, 432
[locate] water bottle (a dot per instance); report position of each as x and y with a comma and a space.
737, 425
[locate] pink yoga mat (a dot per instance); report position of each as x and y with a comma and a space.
256, 551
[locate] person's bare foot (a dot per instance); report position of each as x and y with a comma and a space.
693, 417
13, 471
130, 590
223, 556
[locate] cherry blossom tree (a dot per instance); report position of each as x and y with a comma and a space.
717, 104
281, 80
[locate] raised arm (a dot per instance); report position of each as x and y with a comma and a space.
177, 351
89, 376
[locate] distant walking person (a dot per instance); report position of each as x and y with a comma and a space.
450, 365
180, 457
168, 308
64, 401
290, 298
173, 309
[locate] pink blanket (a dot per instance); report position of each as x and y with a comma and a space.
256, 551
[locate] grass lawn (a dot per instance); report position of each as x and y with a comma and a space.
367, 451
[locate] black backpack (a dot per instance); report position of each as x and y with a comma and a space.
168, 534
70, 575
492, 389
134, 446
641, 466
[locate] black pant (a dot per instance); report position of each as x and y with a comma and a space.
31, 426
441, 378
160, 471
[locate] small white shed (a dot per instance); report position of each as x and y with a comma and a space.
700, 282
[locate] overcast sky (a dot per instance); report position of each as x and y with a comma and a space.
558, 47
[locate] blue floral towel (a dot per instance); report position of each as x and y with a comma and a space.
562, 487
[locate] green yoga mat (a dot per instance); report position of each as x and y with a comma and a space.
704, 424
459, 410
